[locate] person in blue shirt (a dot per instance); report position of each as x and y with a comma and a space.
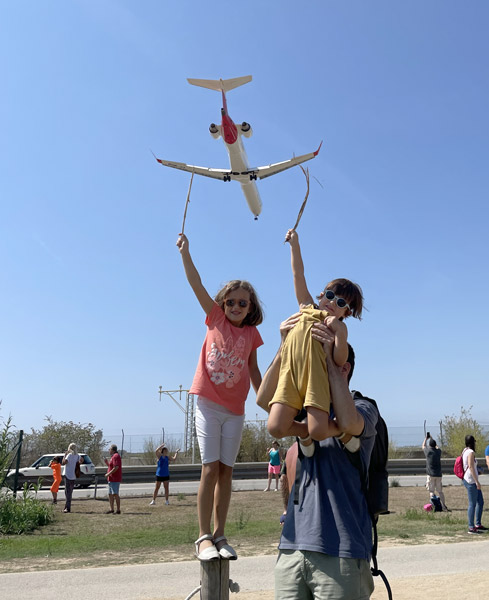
487, 456
326, 542
163, 472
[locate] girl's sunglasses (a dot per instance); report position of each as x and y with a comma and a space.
231, 302
340, 302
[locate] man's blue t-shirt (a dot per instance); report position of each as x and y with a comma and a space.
487, 451
331, 516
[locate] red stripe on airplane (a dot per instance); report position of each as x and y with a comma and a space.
229, 131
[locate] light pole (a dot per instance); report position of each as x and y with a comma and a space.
188, 411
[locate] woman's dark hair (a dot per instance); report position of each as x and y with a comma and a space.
470, 442
255, 316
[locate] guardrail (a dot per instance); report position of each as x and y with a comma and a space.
146, 473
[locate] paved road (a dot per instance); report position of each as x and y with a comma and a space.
164, 580
190, 487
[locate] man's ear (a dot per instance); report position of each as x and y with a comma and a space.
345, 370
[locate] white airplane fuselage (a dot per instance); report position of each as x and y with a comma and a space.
239, 164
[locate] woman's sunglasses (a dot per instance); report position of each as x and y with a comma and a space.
231, 302
340, 302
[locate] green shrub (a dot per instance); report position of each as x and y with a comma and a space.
23, 515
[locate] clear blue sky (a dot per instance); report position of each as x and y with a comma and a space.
95, 308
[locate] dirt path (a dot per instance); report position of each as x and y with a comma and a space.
473, 586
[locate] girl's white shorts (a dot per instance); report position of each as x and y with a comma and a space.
218, 431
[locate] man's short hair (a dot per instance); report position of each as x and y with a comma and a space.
114, 447
351, 360
432, 443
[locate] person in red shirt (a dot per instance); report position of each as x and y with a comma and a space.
114, 478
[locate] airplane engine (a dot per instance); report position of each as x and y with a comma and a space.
246, 129
215, 131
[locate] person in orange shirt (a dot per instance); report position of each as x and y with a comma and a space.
55, 465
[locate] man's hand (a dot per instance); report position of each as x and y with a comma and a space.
288, 324
182, 243
324, 334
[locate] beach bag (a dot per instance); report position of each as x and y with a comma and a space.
436, 504
458, 467
428, 507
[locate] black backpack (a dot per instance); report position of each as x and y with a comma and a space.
375, 483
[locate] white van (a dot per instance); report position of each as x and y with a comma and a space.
41, 473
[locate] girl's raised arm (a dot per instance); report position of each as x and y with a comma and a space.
193, 276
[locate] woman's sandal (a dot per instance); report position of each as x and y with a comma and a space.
209, 553
226, 551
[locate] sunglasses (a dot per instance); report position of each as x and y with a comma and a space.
340, 302
231, 302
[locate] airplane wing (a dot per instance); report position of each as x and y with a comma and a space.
205, 171
267, 171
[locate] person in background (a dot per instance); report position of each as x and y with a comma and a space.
114, 478
55, 465
163, 472
433, 469
70, 460
473, 487
487, 456
273, 465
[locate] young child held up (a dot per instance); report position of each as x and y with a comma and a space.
303, 379
227, 364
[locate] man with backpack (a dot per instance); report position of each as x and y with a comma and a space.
326, 542
433, 469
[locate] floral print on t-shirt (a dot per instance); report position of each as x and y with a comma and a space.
225, 365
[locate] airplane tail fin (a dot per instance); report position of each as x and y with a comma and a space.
221, 85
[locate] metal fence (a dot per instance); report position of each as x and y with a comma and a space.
411, 436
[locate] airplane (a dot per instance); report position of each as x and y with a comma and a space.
231, 134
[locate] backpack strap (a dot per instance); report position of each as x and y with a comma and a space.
297, 482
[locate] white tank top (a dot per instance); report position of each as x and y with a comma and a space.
468, 474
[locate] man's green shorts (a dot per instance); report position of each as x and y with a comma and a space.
304, 575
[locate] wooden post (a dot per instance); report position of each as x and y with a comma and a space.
214, 580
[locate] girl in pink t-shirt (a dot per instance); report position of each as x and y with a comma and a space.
226, 366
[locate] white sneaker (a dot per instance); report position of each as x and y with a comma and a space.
152, 503
167, 502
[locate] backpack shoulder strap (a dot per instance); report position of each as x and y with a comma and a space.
297, 481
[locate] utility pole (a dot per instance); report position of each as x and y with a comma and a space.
189, 413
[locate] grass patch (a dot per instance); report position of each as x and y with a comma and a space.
142, 534
409, 523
